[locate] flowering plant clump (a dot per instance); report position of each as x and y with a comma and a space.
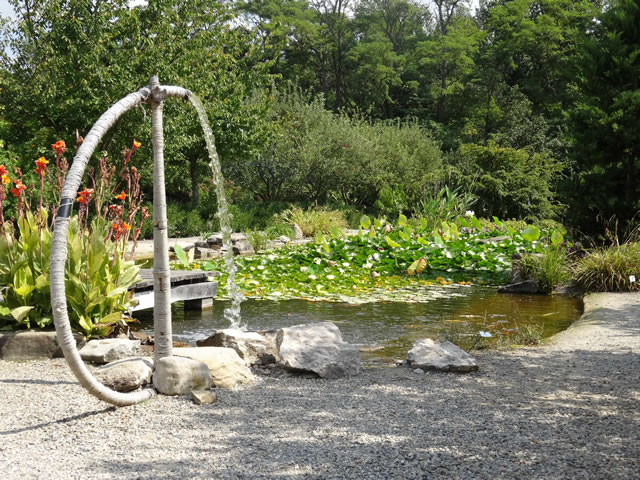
99, 269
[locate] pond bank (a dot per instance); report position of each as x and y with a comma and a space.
564, 410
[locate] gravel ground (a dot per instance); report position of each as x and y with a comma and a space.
569, 409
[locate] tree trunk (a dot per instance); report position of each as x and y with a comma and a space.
59, 248
163, 343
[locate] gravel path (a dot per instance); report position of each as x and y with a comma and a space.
570, 409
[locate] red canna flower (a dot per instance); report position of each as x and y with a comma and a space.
3, 170
19, 188
59, 147
41, 166
85, 195
121, 196
136, 144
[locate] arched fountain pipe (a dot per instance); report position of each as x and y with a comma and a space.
154, 94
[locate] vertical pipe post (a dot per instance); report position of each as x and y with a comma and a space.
161, 274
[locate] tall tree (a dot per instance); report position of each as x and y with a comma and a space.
72, 59
605, 116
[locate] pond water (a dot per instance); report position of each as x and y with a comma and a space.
385, 331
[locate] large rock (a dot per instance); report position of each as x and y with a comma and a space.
526, 286
32, 345
226, 367
318, 348
126, 375
109, 350
180, 375
443, 356
239, 241
251, 346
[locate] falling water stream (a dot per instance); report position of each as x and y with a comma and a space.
231, 314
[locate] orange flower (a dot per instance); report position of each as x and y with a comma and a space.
115, 227
5, 179
136, 144
121, 196
85, 195
125, 226
19, 188
3, 170
41, 166
59, 147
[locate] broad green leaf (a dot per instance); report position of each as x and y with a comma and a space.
402, 220
116, 291
391, 243
476, 223
181, 255
531, 233
42, 282
21, 313
556, 238
365, 222
497, 221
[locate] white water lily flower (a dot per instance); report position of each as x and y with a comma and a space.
485, 334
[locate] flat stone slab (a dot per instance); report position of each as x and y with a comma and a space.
109, 350
428, 354
32, 345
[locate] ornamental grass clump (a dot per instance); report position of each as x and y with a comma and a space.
611, 269
99, 269
315, 220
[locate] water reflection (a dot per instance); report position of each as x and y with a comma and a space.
386, 331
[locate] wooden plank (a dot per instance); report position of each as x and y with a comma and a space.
178, 277
198, 291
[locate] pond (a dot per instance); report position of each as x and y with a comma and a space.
385, 331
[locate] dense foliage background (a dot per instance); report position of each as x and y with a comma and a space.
529, 106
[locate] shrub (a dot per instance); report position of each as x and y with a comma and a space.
315, 155
509, 182
612, 269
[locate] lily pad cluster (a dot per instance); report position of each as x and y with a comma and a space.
399, 261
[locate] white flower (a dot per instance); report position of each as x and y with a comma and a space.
318, 261
345, 264
330, 277
367, 265
312, 277
469, 213
260, 267
304, 269
485, 334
